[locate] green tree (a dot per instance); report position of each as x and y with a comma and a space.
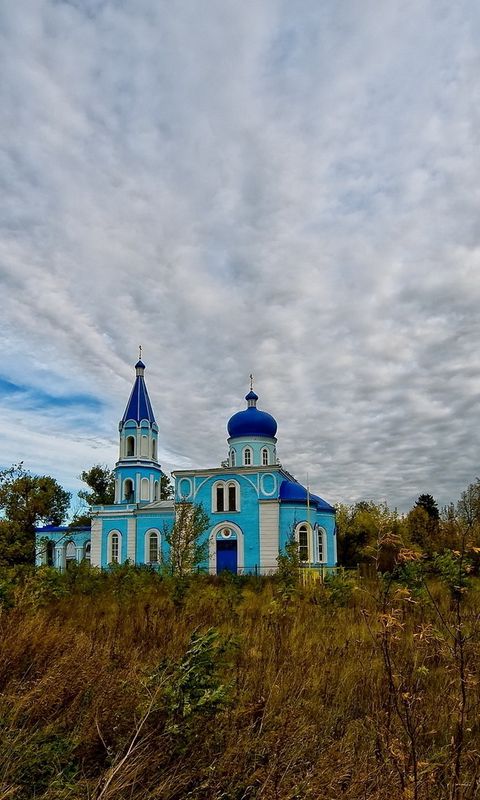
27, 501
468, 507
429, 505
166, 488
368, 532
187, 544
101, 481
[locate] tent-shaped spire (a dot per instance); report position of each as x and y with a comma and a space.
139, 406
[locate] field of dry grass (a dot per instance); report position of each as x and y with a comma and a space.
133, 686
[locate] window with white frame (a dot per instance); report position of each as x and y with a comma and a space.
70, 551
155, 490
154, 448
220, 497
232, 496
130, 446
226, 496
321, 545
247, 457
265, 457
87, 551
114, 548
153, 547
303, 543
145, 489
232, 458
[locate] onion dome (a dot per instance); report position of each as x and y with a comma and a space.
294, 492
252, 422
139, 406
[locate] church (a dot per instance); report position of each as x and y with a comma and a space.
253, 503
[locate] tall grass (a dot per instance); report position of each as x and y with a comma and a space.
136, 686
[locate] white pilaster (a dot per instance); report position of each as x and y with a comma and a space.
269, 533
131, 539
96, 543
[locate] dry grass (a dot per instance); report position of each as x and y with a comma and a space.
293, 698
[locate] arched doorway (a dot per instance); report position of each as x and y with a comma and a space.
227, 551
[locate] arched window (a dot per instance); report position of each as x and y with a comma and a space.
303, 543
153, 549
70, 554
154, 448
226, 496
220, 497
232, 458
144, 446
155, 490
114, 548
265, 457
232, 497
145, 489
247, 457
321, 545
87, 551
128, 491
130, 446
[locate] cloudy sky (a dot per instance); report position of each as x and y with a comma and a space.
288, 188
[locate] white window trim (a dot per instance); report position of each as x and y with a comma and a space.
244, 452
233, 458
144, 482
111, 534
310, 541
147, 546
131, 455
225, 485
321, 535
265, 450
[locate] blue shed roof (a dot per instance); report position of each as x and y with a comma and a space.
294, 492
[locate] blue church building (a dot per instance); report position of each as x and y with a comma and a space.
253, 503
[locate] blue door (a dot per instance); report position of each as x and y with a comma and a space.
227, 556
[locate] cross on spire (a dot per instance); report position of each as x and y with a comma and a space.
251, 382
139, 352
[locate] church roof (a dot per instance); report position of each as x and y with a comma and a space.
252, 422
139, 406
294, 492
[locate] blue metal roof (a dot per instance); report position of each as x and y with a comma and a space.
293, 492
139, 406
62, 529
252, 422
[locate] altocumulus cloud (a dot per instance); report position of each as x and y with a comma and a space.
288, 188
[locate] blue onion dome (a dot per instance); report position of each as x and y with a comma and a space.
252, 422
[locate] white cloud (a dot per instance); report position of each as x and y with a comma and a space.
288, 189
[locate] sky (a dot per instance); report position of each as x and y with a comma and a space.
288, 189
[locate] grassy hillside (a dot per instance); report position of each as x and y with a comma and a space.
133, 686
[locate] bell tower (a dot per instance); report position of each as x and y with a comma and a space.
137, 470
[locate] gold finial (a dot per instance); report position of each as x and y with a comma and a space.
139, 352
251, 382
